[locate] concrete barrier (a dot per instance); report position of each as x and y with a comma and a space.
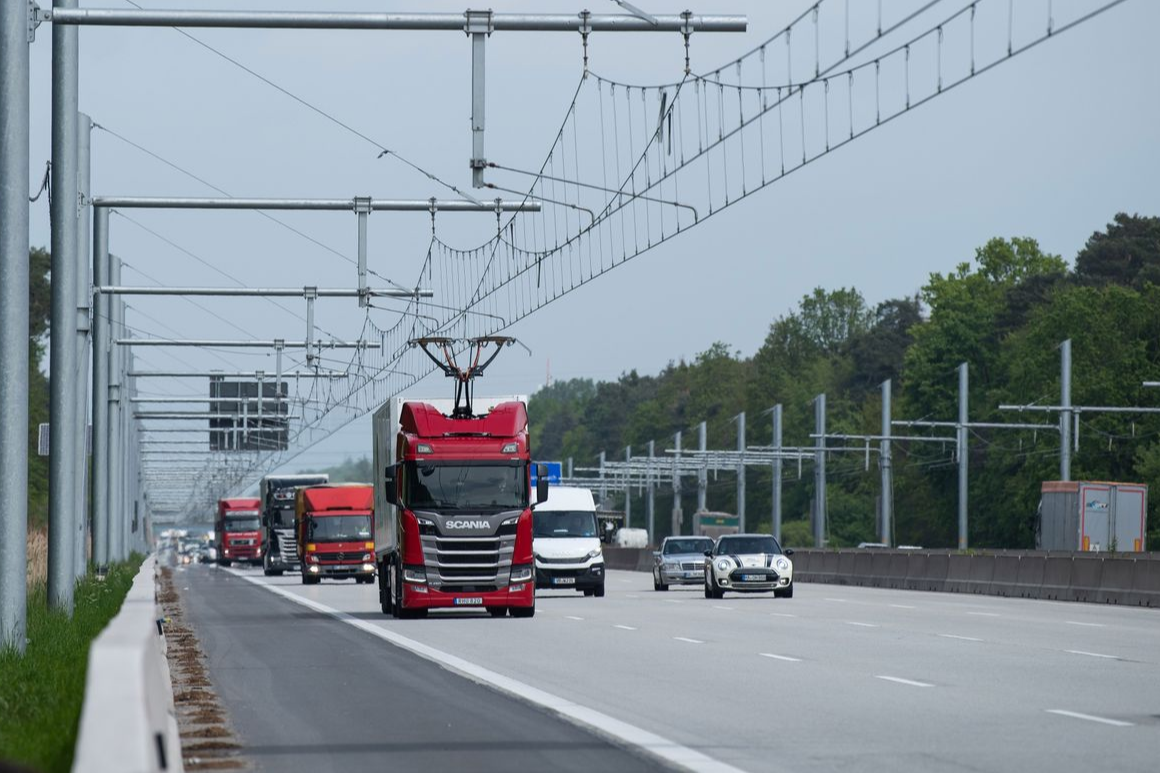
128, 723
958, 573
1115, 585
1057, 578
1031, 569
1005, 576
1145, 584
1086, 575
982, 570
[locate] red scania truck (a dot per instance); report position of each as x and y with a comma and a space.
238, 531
333, 526
453, 518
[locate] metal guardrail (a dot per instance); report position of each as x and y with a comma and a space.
1131, 579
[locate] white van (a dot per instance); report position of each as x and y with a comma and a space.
565, 541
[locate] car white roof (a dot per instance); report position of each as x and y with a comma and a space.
567, 498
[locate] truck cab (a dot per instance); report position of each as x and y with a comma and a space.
238, 531
566, 542
278, 496
334, 538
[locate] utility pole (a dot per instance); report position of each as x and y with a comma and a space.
14, 246
63, 471
777, 515
703, 474
650, 495
885, 466
101, 375
627, 490
84, 298
963, 458
1065, 414
820, 471
741, 470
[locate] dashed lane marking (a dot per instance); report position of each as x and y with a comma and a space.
1092, 654
573, 617
786, 658
960, 638
903, 606
1089, 718
1089, 625
861, 625
984, 614
728, 609
624, 627
782, 614
900, 680
690, 641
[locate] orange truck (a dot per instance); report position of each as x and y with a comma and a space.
238, 531
334, 528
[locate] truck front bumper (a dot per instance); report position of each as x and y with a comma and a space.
359, 569
419, 596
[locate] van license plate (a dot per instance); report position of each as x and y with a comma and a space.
468, 602
564, 580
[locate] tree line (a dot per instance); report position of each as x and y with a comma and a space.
1004, 313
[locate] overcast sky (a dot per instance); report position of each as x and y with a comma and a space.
1050, 145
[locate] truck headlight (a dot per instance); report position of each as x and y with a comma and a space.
521, 573
313, 559
414, 574
367, 557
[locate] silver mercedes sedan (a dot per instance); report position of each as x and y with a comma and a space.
680, 561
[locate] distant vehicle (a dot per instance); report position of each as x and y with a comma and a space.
333, 525
565, 542
680, 561
238, 531
748, 563
277, 495
873, 545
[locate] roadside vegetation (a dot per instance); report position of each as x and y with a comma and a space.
42, 691
1004, 312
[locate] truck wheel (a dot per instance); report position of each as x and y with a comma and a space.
385, 601
497, 611
224, 562
523, 611
310, 580
599, 592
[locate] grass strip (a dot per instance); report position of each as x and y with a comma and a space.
41, 692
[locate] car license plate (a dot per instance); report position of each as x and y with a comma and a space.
563, 580
468, 602
752, 578
695, 574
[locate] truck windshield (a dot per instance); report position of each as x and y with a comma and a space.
564, 523
245, 523
340, 528
282, 517
465, 486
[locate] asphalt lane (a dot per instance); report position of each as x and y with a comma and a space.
854, 679
307, 693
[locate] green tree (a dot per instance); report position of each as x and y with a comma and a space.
1128, 253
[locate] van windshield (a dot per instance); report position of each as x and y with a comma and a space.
564, 523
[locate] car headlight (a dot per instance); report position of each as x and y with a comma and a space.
593, 554
724, 565
782, 564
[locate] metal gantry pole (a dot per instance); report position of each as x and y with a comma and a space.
741, 470
603, 488
362, 208
962, 451
650, 494
62, 466
777, 516
678, 515
703, 473
113, 438
14, 342
479, 26
627, 490
886, 469
1065, 414
101, 354
820, 471
84, 299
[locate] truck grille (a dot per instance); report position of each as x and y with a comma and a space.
287, 545
468, 561
348, 557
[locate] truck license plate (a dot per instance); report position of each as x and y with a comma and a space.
468, 602
564, 580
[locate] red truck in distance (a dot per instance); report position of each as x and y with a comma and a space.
453, 518
333, 525
238, 531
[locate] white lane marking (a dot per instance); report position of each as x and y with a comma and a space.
650, 743
900, 680
862, 625
674, 601
786, 658
782, 614
903, 606
624, 580
631, 596
729, 609
690, 641
1090, 625
984, 614
573, 617
838, 600
960, 638
1092, 654
624, 627
1089, 718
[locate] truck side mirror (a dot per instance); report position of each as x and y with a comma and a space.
541, 483
390, 489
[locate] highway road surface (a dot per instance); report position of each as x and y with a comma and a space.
837, 678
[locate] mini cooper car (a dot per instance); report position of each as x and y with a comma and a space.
748, 563
680, 561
